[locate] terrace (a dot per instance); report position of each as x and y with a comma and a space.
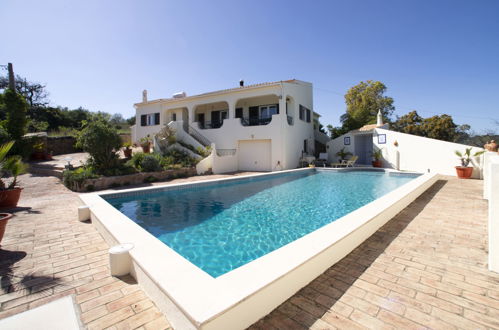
427, 267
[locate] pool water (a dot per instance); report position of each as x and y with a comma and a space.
224, 226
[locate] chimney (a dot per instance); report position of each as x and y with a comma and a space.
144, 95
379, 121
241, 83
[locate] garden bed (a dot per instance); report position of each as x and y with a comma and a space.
105, 182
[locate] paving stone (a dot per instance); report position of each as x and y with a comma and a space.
426, 268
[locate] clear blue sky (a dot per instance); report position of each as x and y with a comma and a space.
434, 56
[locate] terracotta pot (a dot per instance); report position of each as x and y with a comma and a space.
48, 157
128, 153
464, 172
377, 163
37, 155
146, 149
9, 198
4, 218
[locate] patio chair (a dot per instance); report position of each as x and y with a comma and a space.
322, 160
346, 163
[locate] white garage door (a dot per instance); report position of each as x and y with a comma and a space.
254, 155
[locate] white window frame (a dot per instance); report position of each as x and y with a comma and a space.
265, 111
150, 119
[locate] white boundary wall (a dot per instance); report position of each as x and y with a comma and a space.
413, 153
491, 192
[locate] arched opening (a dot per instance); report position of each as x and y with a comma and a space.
254, 111
211, 115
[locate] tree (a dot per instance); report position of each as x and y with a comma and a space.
363, 103
16, 108
117, 119
334, 132
34, 93
410, 123
440, 127
131, 121
102, 142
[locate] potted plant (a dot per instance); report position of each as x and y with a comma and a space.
377, 155
127, 149
145, 143
37, 151
464, 171
10, 166
49, 155
342, 154
4, 218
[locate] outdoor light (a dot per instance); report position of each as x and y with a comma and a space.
68, 166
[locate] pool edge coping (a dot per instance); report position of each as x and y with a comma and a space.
203, 298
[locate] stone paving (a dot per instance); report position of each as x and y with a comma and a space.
47, 254
425, 269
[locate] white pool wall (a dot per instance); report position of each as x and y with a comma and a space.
191, 299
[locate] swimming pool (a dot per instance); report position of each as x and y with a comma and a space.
191, 298
224, 226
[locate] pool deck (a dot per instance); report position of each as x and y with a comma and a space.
427, 267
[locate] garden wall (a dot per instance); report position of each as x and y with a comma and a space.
60, 145
126, 138
133, 179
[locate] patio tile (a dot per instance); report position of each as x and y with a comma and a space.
426, 268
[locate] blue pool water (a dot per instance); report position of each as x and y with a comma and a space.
224, 226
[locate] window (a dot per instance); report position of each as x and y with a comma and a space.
239, 112
302, 112
174, 116
305, 114
150, 119
305, 146
266, 111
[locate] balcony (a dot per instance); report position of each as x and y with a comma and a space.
211, 124
255, 121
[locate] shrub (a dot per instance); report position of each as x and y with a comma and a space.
76, 178
37, 126
205, 152
121, 169
4, 135
151, 163
16, 107
136, 160
11, 166
150, 179
177, 157
102, 142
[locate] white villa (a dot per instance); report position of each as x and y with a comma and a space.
262, 127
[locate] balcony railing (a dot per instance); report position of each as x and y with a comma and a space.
211, 124
226, 152
255, 121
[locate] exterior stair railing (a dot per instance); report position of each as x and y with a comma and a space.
198, 136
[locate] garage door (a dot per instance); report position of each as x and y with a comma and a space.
254, 155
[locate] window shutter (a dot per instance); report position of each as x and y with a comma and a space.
156, 118
239, 112
143, 120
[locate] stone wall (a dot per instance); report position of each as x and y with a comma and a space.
133, 179
126, 138
61, 145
